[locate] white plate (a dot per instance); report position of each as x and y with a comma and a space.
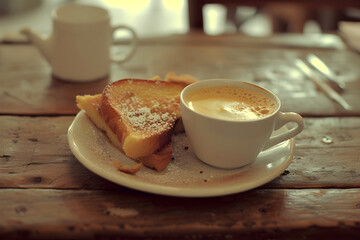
185, 176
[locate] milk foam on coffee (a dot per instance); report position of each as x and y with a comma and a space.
230, 103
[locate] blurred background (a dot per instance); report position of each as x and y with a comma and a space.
153, 18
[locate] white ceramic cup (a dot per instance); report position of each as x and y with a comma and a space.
234, 143
79, 47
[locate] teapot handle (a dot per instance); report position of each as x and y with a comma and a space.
133, 44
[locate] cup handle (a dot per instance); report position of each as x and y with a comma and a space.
283, 119
134, 43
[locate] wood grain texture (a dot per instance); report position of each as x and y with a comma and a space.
45, 193
27, 88
107, 214
34, 153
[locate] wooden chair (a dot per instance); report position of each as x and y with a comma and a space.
286, 15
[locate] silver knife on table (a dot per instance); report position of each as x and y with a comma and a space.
320, 65
331, 93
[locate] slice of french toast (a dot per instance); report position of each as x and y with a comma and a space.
91, 105
138, 116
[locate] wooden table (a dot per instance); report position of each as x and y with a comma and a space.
46, 193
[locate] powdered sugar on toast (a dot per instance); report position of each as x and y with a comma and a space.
147, 116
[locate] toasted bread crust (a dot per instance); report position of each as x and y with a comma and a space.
160, 159
141, 113
91, 105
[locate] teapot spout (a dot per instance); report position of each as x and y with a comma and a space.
42, 43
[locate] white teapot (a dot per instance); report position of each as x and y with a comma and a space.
79, 47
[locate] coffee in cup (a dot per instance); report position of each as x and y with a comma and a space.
229, 122
230, 103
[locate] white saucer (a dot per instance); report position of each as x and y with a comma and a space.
185, 176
